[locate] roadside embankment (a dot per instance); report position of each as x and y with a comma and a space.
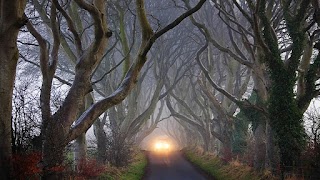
233, 170
134, 171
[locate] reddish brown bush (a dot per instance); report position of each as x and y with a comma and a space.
25, 166
89, 168
226, 155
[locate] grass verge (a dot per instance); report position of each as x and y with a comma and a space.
234, 170
134, 171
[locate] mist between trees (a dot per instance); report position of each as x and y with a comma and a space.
234, 78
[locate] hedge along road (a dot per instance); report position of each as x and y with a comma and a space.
171, 166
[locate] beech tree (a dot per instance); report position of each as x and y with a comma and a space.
65, 124
11, 20
120, 124
280, 38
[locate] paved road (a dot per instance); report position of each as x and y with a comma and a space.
170, 166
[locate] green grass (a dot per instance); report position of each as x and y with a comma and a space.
232, 171
134, 171
210, 165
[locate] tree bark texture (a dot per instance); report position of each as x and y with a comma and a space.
101, 141
259, 147
11, 20
80, 149
80, 152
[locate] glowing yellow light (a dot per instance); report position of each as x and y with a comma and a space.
162, 146
159, 145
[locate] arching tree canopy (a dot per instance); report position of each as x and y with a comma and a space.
237, 75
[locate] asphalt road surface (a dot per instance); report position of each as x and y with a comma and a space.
171, 166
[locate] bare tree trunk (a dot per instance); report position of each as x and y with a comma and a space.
259, 147
101, 141
269, 148
11, 20
81, 141
206, 144
144, 134
271, 155
227, 149
80, 151
206, 137
261, 144
53, 151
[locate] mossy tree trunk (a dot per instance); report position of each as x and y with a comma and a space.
285, 115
